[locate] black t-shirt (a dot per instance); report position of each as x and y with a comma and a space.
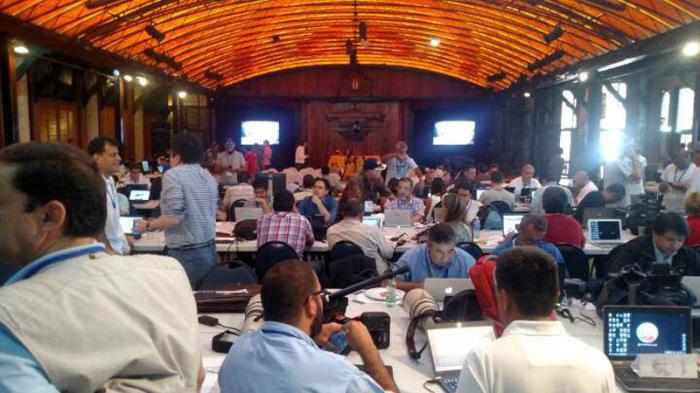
592, 199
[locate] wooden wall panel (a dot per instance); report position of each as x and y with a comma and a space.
55, 121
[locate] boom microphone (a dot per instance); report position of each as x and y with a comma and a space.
367, 283
253, 315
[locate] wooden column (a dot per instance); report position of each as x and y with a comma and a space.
8, 94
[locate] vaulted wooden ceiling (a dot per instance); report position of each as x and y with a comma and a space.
222, 42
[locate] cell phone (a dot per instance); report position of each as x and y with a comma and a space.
339, 340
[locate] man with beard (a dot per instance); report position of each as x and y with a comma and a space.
284, 355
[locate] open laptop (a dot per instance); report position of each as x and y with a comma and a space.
127, 224
139, 195
510, 220
397, 218
247, 213
449, 346
603, 232
590, 213
372, 221
629, 331
438, 288
479, 192
693, 283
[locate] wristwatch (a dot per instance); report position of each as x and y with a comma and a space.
149, 228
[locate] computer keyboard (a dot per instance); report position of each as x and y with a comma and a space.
449, 384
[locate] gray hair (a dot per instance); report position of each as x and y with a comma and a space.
538, 220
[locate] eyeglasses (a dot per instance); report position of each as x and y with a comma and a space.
319, 292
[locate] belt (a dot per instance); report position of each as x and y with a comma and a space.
193, 246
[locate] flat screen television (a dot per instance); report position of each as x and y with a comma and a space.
454, 132
258, 131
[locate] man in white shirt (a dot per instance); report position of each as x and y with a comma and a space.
230, 161
627, 170
135, 177
243, 190
534, 354
676, 179
525, 180
584, 185
105, 151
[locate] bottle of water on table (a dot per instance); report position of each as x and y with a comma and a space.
390, 298
476, 228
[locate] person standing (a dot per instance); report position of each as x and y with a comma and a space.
251, 159
399, 164
267, 155
300, 155
188, 204
583, 185
230, 161
525, 180
628, 170
675, 181
105, 151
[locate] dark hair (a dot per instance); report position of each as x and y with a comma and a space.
308, 181
437, 186
405, 180
243, 177
325, 170
285, 288
352, 208
529, 276
496, 177
135, 165
393, 185
671, 222
442, 233
97, 145
554, 200
188, 148
616, 188
260, 184
60, 172
463, 184
325, 182
283, 201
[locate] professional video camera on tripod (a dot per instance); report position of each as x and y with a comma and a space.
642, 213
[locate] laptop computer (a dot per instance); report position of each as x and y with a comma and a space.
479, 192
629, 331
145, 166
590, 213
449, 346
397, 218
247, 213
439, 215
510, 220
438, 288
605, 231
693, 283
139, 195
372, 221
127, 224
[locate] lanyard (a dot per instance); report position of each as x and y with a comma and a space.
24, 274
432, 272
110, 188
675, 180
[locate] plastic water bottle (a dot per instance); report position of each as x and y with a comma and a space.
390, 298
476, 228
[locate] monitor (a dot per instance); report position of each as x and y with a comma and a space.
605, 230
139, 195
127, 224
510, 221
632, 330
372, 221
259, 131
145, 166
454, 132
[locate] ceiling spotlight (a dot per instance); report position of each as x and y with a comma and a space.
21, 50
583, 76
182, 94
527, 94
142, 81
435, 42
116, 73
128, 78
691, 49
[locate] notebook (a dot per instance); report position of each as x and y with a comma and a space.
397, 218
510, 220
605, 231
449, 346
629, 331
438, 288
139, 195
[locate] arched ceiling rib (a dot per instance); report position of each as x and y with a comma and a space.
234, 38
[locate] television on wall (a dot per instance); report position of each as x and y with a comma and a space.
259, 131
454, 132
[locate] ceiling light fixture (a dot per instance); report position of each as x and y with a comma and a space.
142, 81
583, 76
496, 77
161, 58
182, 94
213, 75
359, 36
691, 49
21, 50
550, 58
128, 78
527, 94
435, 42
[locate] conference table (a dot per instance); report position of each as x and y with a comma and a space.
410, 375
154, 242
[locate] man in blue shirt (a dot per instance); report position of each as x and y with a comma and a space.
399, 164
320, 203
438, 258
284, 355
531, 232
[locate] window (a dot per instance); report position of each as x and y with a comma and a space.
666, 112
613, 120
568, 124
684, 115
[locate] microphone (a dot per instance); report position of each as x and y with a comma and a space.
419, 303
254, 315
366, 283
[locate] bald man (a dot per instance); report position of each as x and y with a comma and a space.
525, 180
584, 185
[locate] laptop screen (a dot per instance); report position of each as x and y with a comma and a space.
450, 346
139, 195
145, 166
127, 224
605, 230
510, 221
373, 221
478, 193
633, 330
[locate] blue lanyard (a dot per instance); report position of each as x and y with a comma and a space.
430, 268
676, 174
109, 193
54, 259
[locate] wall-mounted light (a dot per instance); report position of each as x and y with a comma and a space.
142, 81
583, 76
182, 94
116, 73
435, 42
691, 49
128, 78
527, 94
21, 49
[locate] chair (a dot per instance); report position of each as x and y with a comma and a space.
350, 270
472, 248
270, 254
220, 275
345, 249
575, 259
501, 207
232, 209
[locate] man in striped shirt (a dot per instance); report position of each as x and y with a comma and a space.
406, 201
188, 204
284, 225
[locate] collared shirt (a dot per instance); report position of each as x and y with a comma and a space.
239, 191
549, 248
307, 207
282, 358
619, 172
397, 168
421, 266
20, 371
585, 190
190, 194
519, 184
369, 238
415, 205
673, 198
113, 229
536, 205
300, 155
234, 160
286, 227
536, 356
660, 257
